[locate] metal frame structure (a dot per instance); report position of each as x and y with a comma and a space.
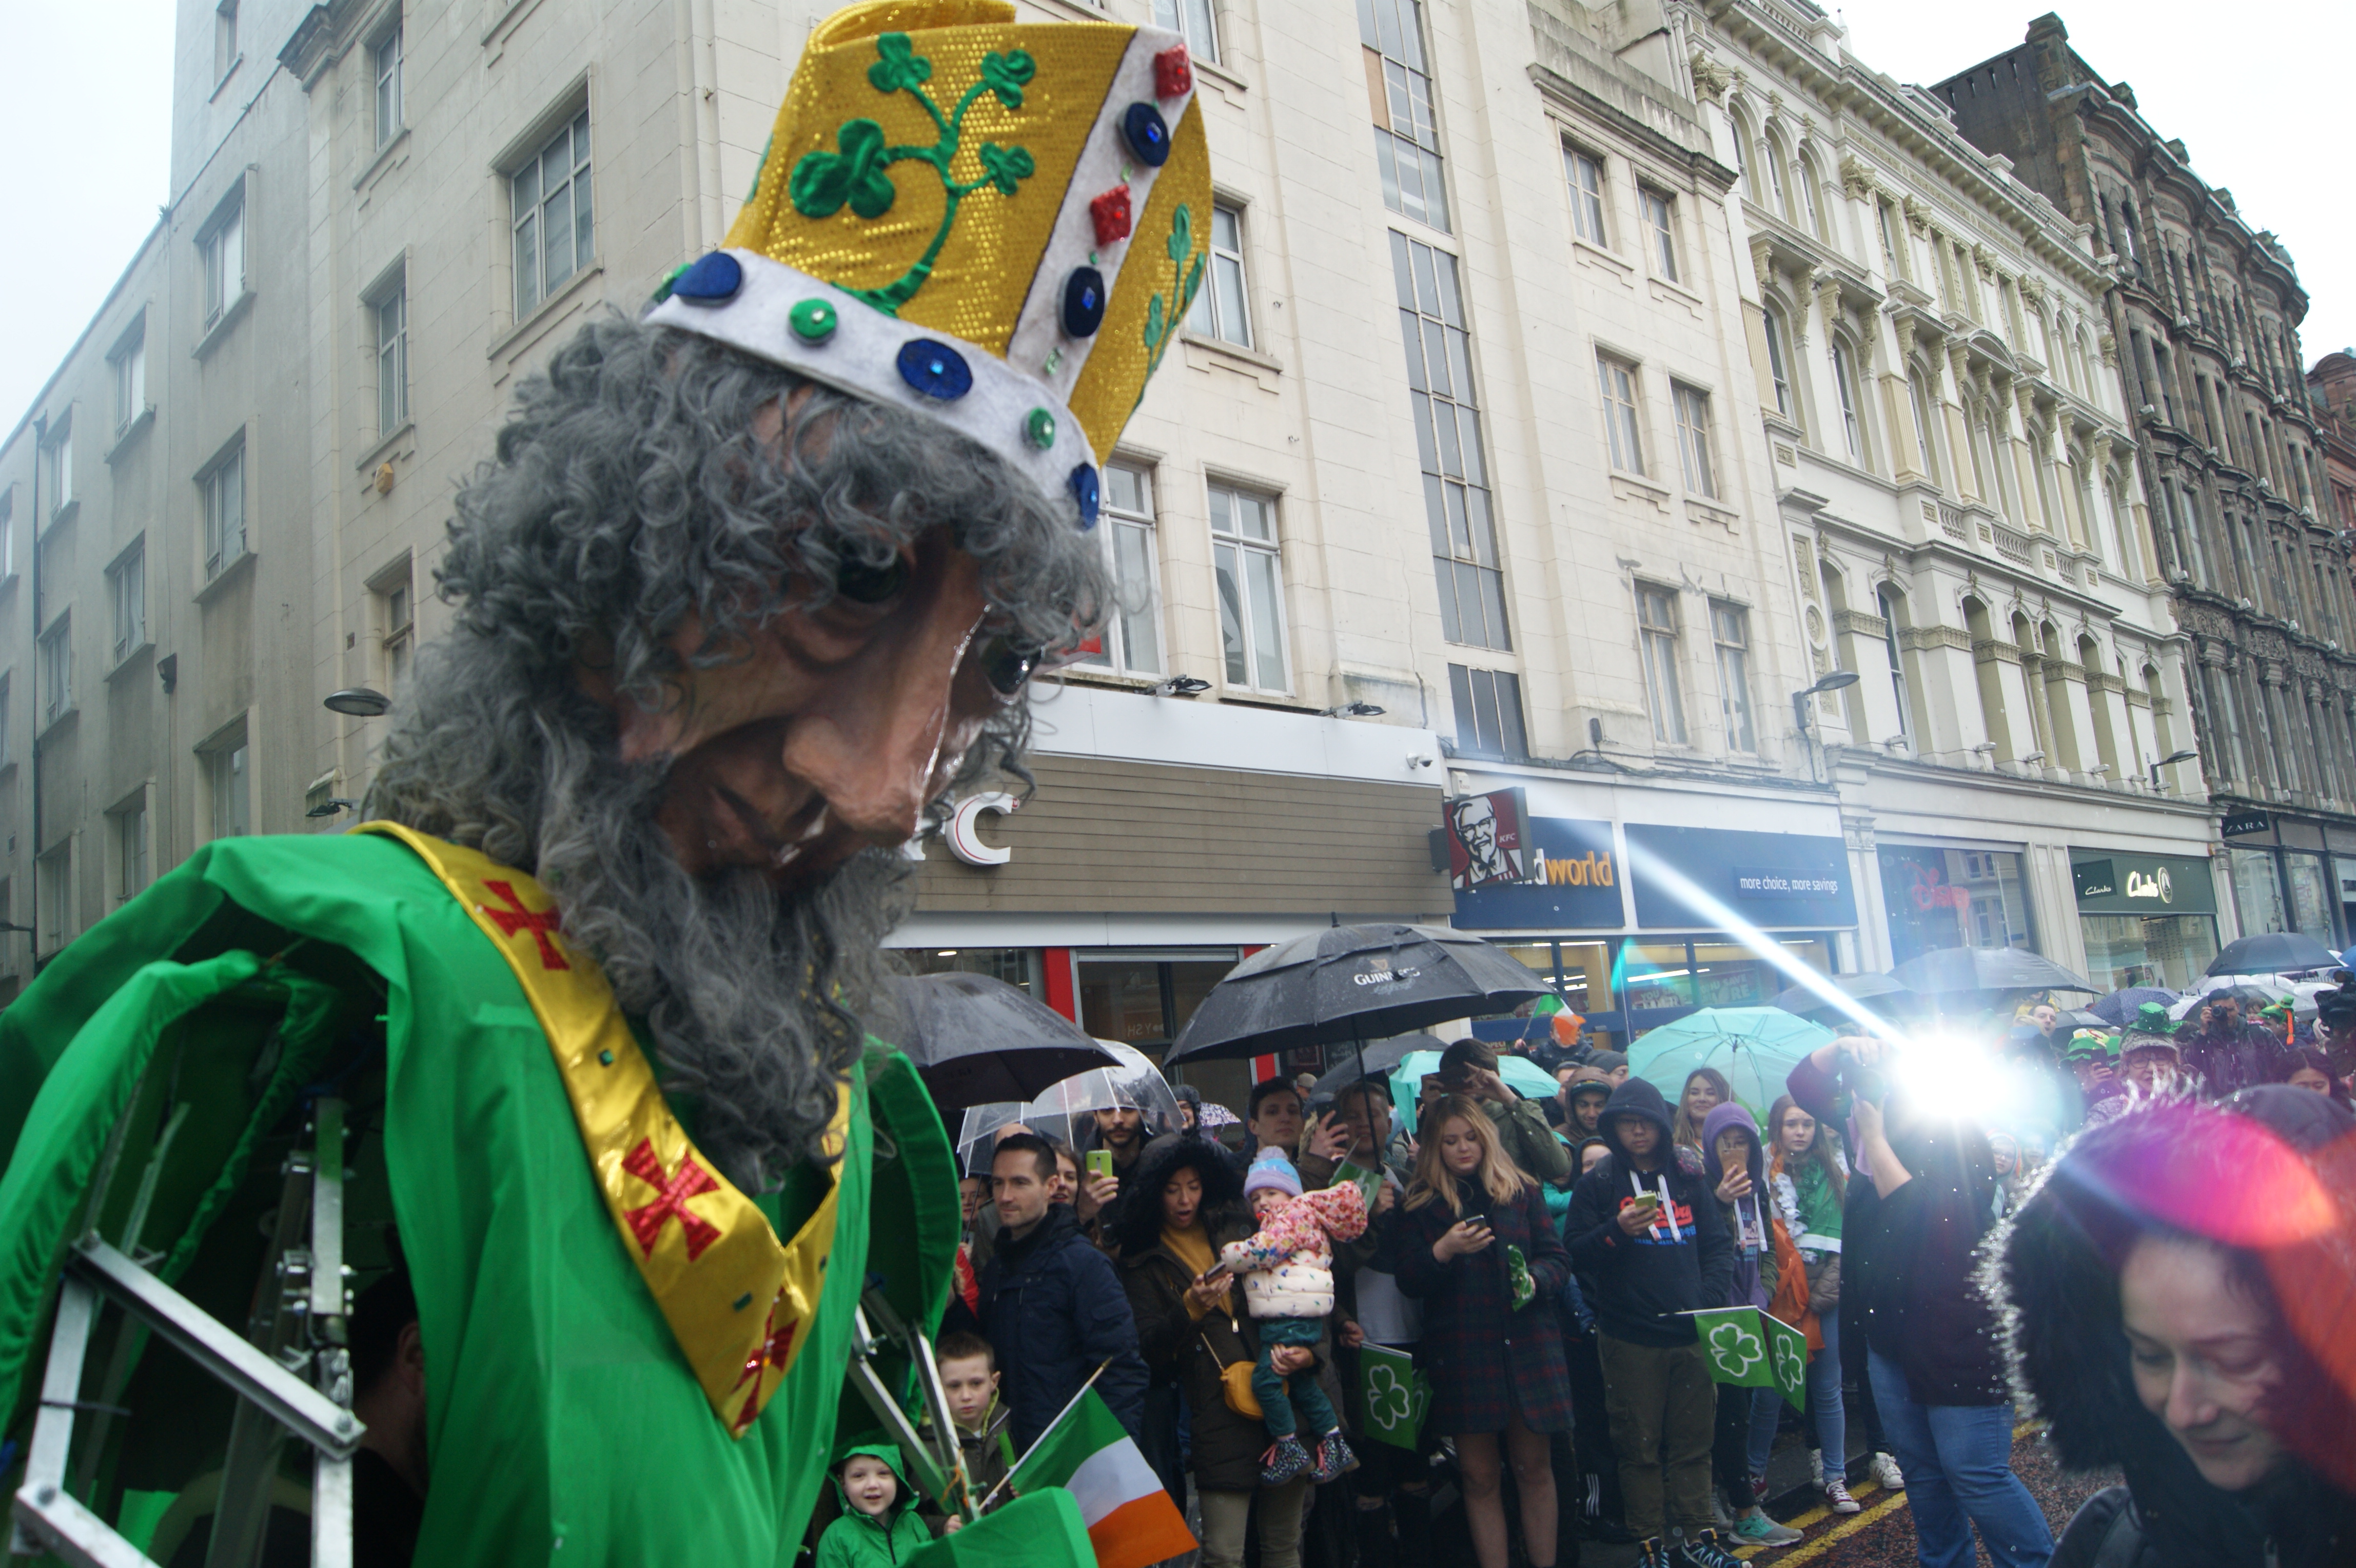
291, 1368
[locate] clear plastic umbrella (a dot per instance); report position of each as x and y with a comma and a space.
1135, 1083
978, 1132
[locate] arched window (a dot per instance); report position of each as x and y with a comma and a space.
1988, 665
1926, 440
2107, 745
1778, 158
1739, 121
1812, 197
1893, 610
1851, 391
1778, 364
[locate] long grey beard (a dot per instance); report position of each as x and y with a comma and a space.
757, 1002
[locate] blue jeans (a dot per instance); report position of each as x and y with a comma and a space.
1958, 1465
1824, 1413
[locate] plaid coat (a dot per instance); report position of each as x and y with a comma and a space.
1487, 1362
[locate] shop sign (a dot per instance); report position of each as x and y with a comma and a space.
1486, 841
2247, 823
1561, 871
2143, 885
965, 842
1698, 878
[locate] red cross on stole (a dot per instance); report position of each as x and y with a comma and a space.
738, 1301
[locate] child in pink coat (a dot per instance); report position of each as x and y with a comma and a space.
1288, 1270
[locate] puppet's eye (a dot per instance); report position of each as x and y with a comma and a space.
865, 584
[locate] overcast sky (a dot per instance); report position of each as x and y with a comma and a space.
2261, 108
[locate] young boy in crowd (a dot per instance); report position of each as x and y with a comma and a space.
1288, 1273
969, 1379
876, 1528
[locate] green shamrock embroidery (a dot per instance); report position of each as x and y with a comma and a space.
854, 175
1161, 321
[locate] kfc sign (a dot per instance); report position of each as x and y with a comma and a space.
1486, 841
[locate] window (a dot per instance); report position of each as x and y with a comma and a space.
1660, 226
126, 589
554, 235
1887, 602
1620, 421
1251, 588
391, 315
1221, 310
225, 54
384, 61
1441, 397
1585, 194
1777, 364
7, 532
57, 455
1193, 19
1657, 627
1925, 443
129, 362
1845, 381
53, 876
396, 620
1888, 232
57, 671
7, 746
1693, 441
130, 825
1730, 629
1131, 643
1398, 81
1773, 159
1488, 712
1810, 202
225, 778
223, 487
222, 242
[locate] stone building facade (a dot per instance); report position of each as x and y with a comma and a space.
2205, 314
1960, 491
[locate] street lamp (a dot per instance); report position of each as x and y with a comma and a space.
358, 701
1839, 681
1354, 711
2172, 758
1181, 686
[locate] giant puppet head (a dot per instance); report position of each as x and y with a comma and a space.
755, 581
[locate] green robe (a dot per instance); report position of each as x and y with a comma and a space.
563, 1424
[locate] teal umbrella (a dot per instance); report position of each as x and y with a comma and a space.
1525, 1076
1755, 1047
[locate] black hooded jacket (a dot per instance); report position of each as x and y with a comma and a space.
1682, 1263
2069, 1356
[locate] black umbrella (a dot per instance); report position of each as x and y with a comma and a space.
2274, 953
975, 1039
1352, 983
1377, 1058
1947, 971
1879, 989
2120, 1006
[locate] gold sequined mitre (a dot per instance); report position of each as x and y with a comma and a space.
999, 224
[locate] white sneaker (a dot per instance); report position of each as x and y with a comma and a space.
1885, 1470
1816, 1468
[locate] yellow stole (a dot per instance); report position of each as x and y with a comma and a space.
737, 1302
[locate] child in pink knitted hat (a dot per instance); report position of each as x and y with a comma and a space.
1288, 1273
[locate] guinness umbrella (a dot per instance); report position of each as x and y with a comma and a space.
2273, 952
1948, 972
975, 1040
1352, 983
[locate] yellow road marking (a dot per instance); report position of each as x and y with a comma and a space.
1802, 1551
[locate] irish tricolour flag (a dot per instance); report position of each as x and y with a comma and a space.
1130, 1520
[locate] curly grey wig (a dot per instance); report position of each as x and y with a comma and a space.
628, 491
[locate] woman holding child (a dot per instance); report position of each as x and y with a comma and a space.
1186, 1204
1488, 1265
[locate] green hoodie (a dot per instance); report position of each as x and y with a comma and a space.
873, 1541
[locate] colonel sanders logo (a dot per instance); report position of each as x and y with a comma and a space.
1486, 844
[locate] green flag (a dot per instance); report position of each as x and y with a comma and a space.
1748, 1349
1397, 1397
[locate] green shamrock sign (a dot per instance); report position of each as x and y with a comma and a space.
1748, 1349
1396, 1396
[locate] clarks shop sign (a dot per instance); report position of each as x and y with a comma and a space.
2142, 884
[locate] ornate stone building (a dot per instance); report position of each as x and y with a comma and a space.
2206, 312
1960, 499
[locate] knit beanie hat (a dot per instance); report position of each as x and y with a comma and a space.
1269, 1168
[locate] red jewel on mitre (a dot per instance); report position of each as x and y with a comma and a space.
1174, 73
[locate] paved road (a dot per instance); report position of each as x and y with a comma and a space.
1882, 1535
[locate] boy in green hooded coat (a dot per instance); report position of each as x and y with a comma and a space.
879, 1528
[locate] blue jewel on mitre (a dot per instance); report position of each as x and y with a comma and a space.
1084, 301
1147, 134
1085, 491
713, 280
934, 369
